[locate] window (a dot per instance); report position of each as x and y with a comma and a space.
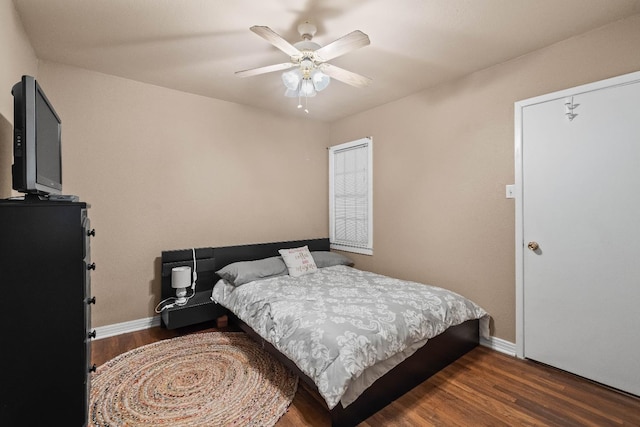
350, 196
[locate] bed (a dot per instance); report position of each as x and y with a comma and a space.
383, 353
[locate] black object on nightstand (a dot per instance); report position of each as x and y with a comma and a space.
200, 308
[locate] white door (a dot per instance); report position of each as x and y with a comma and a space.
580, 213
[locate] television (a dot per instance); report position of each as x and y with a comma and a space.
37, 150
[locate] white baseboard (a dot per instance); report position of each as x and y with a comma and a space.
125, 327
493, 343
498, 344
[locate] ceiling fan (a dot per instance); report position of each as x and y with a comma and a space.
311, 71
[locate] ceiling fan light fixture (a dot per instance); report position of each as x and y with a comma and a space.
291, 79
306, 89
309, 61
291, 93
320, 80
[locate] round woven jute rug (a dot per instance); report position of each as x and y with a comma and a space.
203, 379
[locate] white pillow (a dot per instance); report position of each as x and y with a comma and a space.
298, 261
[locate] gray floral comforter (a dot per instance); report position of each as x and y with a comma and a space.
339, 322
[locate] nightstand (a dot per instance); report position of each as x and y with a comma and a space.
198, 309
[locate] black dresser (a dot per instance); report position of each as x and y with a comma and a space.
45, 343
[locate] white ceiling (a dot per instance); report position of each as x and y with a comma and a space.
197, 45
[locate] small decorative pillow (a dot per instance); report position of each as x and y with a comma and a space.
299, 261
239, 273
329, 259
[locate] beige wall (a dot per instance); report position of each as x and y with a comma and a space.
166, 170
442, 158
16, 58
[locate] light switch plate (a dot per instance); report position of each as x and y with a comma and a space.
511, 191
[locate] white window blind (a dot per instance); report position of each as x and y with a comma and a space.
350, 196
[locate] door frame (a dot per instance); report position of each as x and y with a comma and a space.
519, 185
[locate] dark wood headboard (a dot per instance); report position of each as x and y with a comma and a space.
210, 260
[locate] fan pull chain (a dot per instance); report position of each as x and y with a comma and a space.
306, 102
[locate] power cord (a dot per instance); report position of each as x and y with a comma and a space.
160, 308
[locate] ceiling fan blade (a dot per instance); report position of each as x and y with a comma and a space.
345, 76
275, 39
351, 41
263, 70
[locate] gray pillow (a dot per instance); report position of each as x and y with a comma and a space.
328, 259
239, 273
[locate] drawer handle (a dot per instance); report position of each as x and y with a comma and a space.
91, 266
92, 334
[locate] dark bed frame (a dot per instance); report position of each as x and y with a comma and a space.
436, 354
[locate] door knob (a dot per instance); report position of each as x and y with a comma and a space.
533, 246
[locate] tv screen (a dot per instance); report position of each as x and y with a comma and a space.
37, 150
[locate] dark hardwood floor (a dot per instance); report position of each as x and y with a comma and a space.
483, 388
